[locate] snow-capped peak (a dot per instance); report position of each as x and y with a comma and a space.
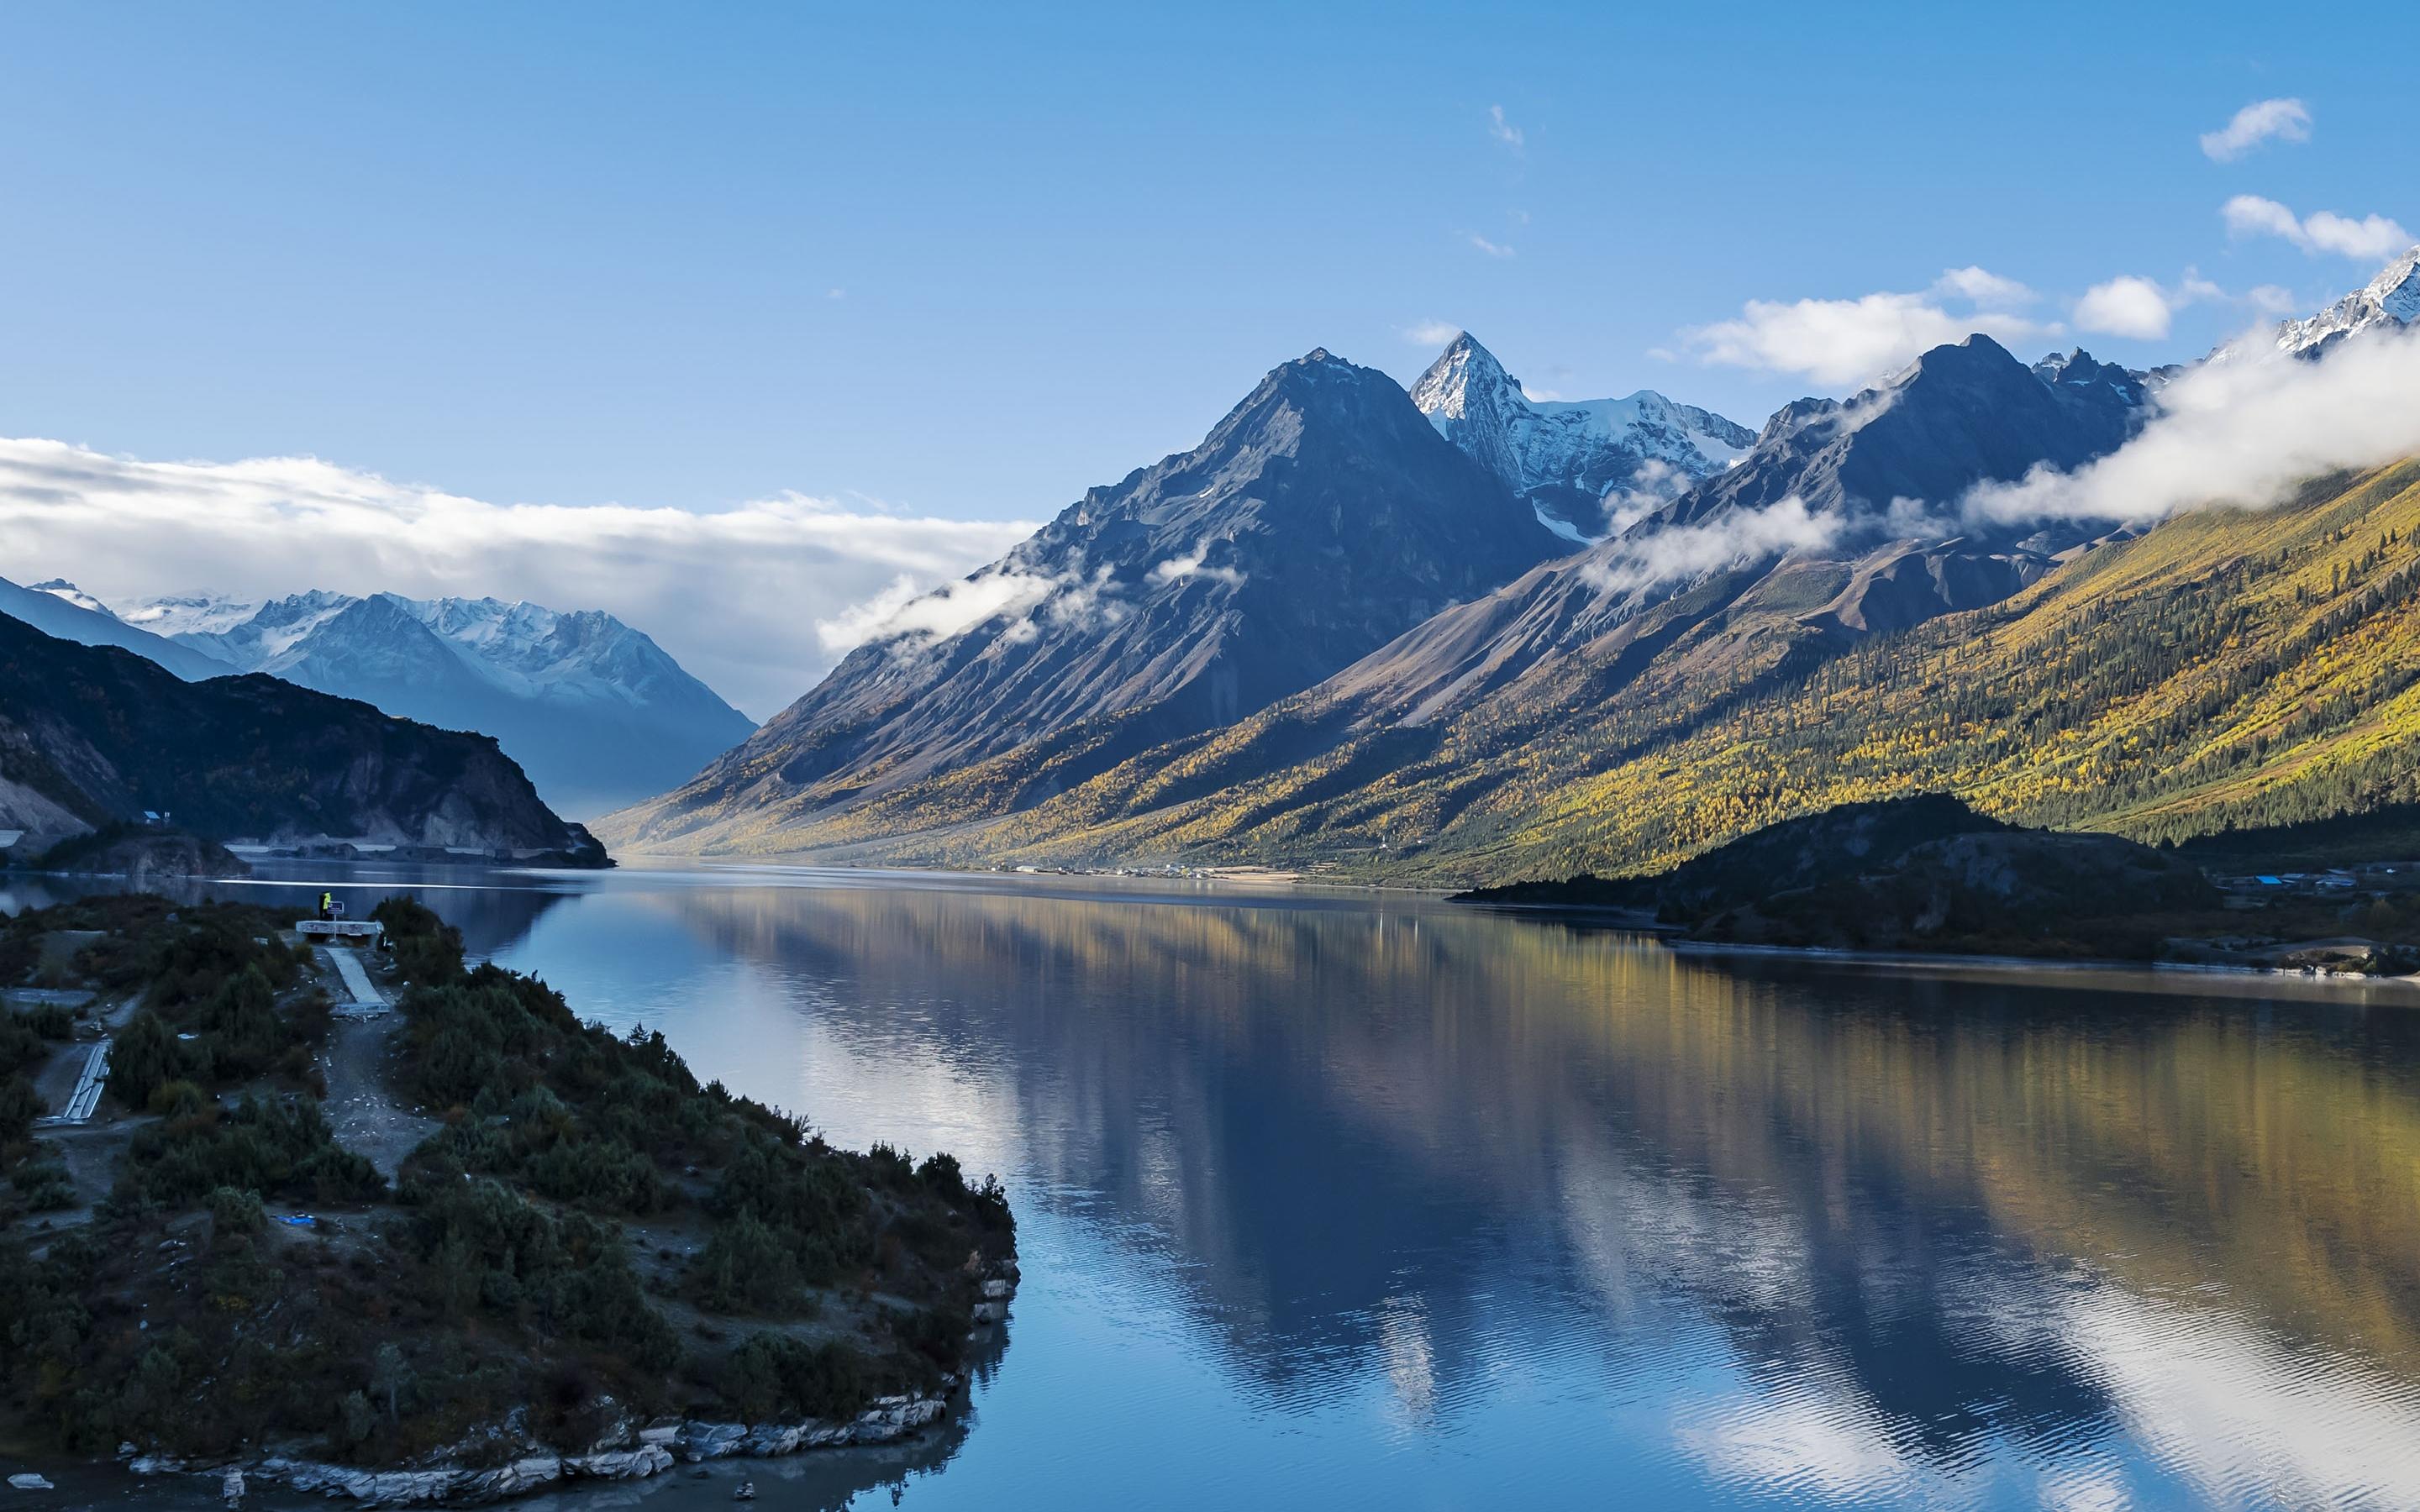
62, 589
2391, 299
534, 651
189, 613
1463, 370
1571, 461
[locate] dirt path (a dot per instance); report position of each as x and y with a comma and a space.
360, 1054
364, 1045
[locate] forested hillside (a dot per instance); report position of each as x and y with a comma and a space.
2227, 669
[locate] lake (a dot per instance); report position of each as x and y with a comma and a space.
1357, 1200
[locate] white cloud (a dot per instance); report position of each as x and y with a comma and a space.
1085, 603
1502, 130
2250, 215
1491, 248
2272, 299
2284, 119
2141, 308
1653, 484
1984, 287
1177, 569
1682, 552
2372, 239
2127, 306
2245, 433
1431, 332
911, 620
1843, 342
905, 608
732, 593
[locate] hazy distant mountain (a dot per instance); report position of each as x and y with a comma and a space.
596, 711
91, 735
59, 608
1568, 460
1322, 518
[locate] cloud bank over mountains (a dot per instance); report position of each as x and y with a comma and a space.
735, 596
2250, 429
2247, 433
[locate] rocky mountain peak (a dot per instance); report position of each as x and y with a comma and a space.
2391, 301
1570, 461
1975, 357
1321, 518
1465, 374
2078, 372
1960, 414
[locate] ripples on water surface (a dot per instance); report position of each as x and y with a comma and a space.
1345, 1199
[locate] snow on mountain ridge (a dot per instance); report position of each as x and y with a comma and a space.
2391, 299
178, 614
537, 652
1567, 458
262, 641
60, 588
525, 649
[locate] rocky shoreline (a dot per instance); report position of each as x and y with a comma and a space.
629, 1452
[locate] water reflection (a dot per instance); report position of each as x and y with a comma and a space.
1373, 1201
1850, 1233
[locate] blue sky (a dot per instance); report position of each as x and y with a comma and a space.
833, 298
965, 262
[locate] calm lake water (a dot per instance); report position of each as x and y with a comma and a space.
1360, 1200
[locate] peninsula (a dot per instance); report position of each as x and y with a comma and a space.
383, 1225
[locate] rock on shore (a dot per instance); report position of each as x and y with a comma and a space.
629, 1454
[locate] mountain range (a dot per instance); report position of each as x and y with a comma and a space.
59, 608
1530, 710
97, 736
594, 712
1323, 518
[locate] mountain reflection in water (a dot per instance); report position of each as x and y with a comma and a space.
1367, 1200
